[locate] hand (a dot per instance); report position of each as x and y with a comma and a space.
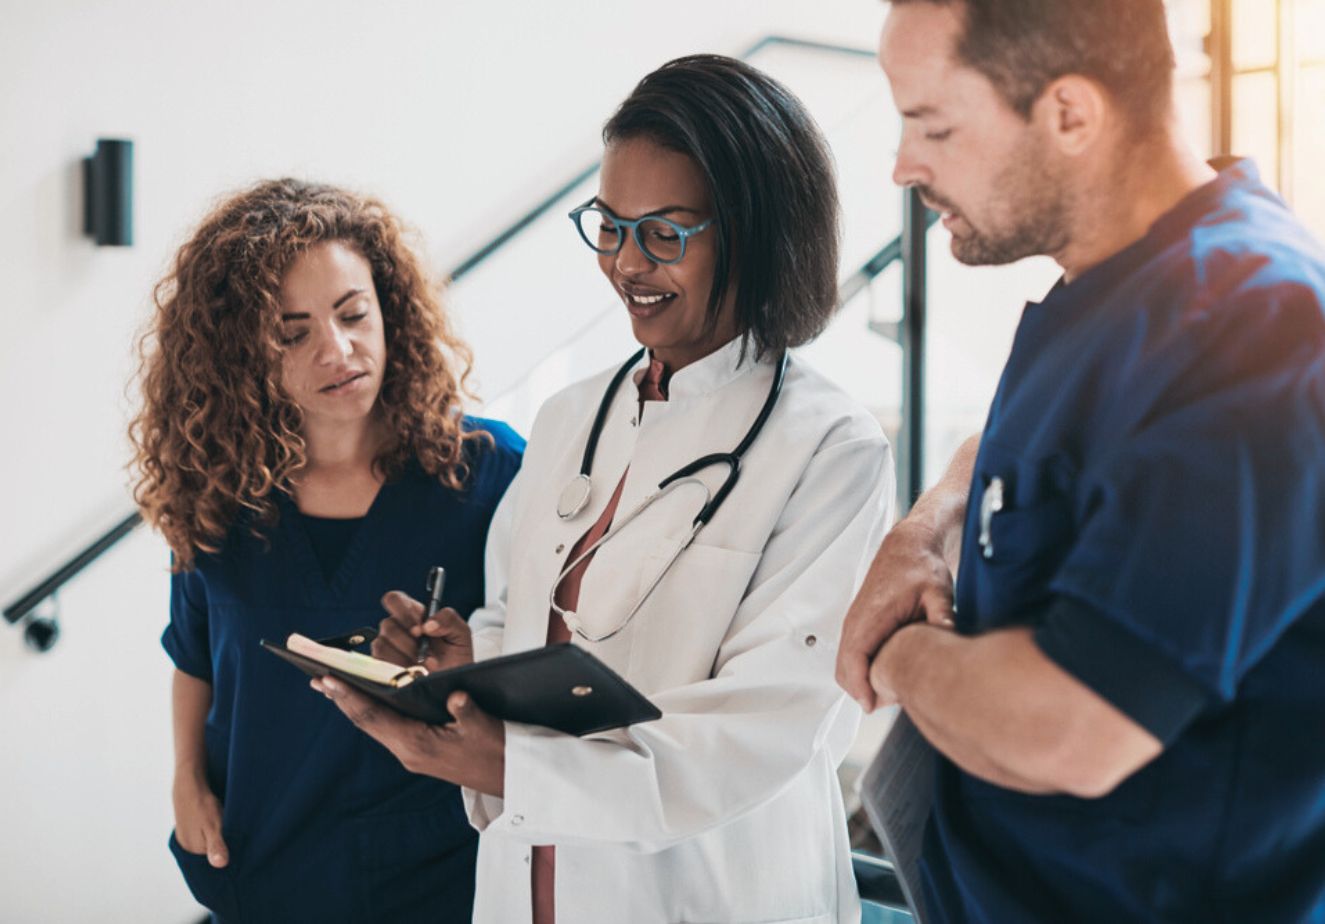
471, 751
450, 643
885, 661
198, 819
909, 581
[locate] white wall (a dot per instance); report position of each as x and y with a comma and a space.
457, 113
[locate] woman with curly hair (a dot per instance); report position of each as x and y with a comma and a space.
302, 449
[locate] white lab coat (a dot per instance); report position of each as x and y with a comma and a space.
727, 809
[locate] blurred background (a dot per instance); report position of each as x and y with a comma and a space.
478, 123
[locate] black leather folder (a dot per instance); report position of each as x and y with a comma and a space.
560, 687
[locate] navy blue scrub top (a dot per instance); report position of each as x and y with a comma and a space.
1159, 438
322, 823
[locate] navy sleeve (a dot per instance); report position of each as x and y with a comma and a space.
1200, 531
493, 465
1143, 684
186, 637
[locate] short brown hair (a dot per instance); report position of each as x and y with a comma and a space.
1022, 46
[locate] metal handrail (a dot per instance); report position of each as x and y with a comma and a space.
891, 253
61, 575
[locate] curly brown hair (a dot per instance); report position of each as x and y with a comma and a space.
217, 434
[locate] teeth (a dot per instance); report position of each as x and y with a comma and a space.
647, 299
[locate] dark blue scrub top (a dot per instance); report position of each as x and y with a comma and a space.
1160, 434
323, 824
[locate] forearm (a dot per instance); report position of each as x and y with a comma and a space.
191, 699
941, 511
979, 701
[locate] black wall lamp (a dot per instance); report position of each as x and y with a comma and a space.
108, 193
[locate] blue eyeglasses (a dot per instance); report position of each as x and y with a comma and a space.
660, 239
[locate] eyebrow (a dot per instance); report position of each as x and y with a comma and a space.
304, 315
662, 211
920, 112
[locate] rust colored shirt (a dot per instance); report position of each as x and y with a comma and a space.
652, 385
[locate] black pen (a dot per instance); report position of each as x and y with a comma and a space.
436, 581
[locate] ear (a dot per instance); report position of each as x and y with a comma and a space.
1075, 111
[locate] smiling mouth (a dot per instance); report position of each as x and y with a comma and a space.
336, 386
645, 299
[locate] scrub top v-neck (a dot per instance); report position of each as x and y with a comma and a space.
322, 823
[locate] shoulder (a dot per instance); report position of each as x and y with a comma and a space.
504, 438
577, 397
1253, 254
494, 460
813, 407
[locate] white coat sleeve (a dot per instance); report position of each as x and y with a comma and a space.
732, 742
488, 622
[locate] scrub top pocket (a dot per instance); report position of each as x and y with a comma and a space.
211, 887
1026, 530
416, 865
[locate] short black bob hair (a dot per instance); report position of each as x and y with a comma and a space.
770, 177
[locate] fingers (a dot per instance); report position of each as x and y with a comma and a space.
379, 723
447, 625
883, 694
403, 608
218, 855
397, 633
463, 710
937, 606
853, 676
868, 624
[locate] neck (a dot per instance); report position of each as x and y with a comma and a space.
341, 447
1119, 202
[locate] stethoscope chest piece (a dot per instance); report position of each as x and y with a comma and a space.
573, 497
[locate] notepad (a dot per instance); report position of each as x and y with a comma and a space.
353, 662
562, 687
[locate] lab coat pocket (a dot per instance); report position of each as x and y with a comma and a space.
1023, 512
211, 887
688, 615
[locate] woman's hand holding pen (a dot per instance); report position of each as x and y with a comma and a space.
450, 643
471, 751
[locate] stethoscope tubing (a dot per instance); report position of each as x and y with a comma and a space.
683, 475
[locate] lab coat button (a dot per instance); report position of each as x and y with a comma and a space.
811, 641
560, 547
517, 819
634, 421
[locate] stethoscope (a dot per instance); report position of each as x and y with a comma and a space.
575, 496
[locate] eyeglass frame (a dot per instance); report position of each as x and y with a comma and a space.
632, 225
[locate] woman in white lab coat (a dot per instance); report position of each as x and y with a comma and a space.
728, 807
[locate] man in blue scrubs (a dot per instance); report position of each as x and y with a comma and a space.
1127, 682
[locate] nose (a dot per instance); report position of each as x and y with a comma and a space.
908, 169
631, 260
334, 345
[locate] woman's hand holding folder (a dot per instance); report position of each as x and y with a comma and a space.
471, 751
449, 641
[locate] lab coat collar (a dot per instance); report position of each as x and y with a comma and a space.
707, 375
